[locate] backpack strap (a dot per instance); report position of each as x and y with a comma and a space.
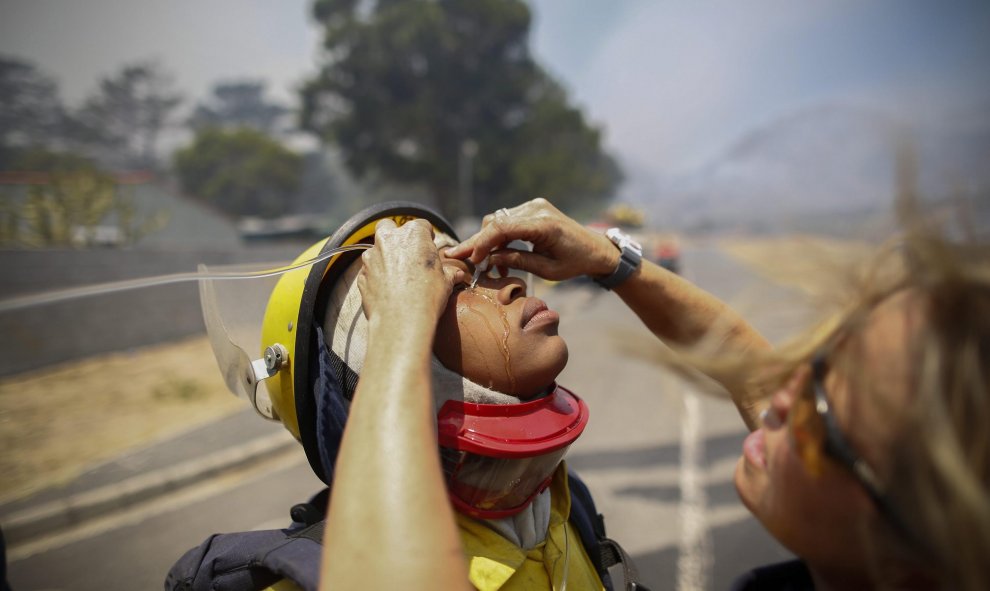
251, 560
602, 550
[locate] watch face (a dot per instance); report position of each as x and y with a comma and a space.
623, 240
636, 246
629, 261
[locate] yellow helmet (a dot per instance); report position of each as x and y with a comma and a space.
288, 339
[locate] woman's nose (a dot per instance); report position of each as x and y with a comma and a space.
507, 289
783, 399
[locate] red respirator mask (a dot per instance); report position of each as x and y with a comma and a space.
497, 458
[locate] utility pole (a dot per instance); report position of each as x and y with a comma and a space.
465, 162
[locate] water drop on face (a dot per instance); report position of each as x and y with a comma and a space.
464, 309
504, 343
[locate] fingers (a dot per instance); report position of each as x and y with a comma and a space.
404, 272
528, 209
362, 279
412, 240
505, 211
384, 225
502, 230
470, 247
417, 227
523, 260
420, 225
533, 221
362, 283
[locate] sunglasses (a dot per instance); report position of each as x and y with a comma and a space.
817, 435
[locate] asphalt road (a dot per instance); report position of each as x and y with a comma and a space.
657, 455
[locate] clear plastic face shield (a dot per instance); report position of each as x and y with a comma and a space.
234, 299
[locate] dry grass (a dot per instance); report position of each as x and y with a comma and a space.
57, 421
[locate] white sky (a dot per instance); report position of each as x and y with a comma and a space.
199, 41
672, 82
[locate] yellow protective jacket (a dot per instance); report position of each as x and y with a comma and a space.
495, 563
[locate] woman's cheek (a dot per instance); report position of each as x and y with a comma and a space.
476, 353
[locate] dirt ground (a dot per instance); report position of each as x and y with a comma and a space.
56, 422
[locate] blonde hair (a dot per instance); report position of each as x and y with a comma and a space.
937, 468
940, 465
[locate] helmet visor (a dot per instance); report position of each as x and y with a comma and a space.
233, 298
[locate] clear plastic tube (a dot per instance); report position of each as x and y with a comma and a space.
61, 295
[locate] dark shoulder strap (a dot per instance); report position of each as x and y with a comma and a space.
586, 519
603, 551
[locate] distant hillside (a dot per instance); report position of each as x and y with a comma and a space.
828, 169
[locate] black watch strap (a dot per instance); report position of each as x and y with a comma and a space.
629, 260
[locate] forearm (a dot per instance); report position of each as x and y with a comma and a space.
389, 513
684, 315
681, 313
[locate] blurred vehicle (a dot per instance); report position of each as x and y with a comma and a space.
625, 216
667, 254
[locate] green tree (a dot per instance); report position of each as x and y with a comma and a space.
238, 104
127, 114
241, 171
557, 154
76, 206
433, 91
31, 112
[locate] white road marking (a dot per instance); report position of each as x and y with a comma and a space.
694, 549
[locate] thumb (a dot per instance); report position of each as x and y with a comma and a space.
454, 275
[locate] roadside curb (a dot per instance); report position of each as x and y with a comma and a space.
53, 516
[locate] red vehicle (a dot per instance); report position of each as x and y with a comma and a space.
667, 254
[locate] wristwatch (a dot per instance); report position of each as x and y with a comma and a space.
632, 256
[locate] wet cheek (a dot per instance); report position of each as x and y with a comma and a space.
475, 348
446, 342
